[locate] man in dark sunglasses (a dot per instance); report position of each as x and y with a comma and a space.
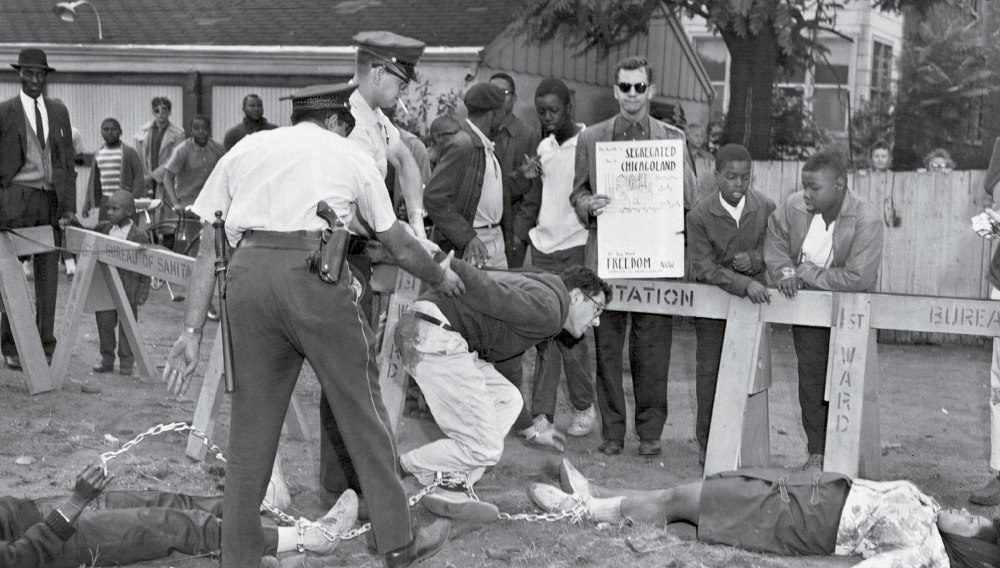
650, 340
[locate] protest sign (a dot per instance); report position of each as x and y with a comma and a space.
640, 232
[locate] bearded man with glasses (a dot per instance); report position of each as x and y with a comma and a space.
651, 334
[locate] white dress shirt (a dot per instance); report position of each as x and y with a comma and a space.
273, 180
490, 208
28, 104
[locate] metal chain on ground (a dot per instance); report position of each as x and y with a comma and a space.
576, 514
303, 523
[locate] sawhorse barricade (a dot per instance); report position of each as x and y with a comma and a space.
739, 430
16, 302
97, 286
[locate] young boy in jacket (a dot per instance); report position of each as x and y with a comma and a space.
121, 210
824, 238
725, 238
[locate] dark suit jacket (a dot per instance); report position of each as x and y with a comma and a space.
13, 136
452, 194
136, 285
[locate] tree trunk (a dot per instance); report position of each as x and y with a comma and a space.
752, 68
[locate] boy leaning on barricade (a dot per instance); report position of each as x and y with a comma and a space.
824, 237
725, 245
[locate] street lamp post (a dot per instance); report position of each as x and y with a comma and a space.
67, 13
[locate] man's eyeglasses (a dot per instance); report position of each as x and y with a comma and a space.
600, 306
405, 81
640, 88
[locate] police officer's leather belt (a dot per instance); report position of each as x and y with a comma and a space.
275, 240
357, 245
490, 226
433, 320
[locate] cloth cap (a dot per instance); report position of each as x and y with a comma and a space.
321, 97
399, 53
30, 57
482, 97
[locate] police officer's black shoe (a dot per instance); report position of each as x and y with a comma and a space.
427, 543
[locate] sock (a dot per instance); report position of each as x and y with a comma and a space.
607, 510
287, 539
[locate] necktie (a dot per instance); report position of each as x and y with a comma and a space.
39, 125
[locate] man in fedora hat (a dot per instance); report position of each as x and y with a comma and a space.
37, 183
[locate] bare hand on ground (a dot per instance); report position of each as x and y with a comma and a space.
90, 483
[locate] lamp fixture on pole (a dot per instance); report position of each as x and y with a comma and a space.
67, 13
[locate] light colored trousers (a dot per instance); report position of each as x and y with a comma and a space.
995, 397
472, 403
493, 239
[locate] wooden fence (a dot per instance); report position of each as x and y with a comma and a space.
930, 249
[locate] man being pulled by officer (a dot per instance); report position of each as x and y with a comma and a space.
268, 188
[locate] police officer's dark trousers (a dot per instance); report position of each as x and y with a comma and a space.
281, 314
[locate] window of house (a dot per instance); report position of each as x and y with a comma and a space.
881, 89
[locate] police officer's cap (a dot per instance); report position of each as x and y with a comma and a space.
400, 54
322, 97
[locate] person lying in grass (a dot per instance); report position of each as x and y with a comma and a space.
94, 528
890, 523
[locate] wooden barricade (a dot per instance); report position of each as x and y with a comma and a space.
739, 430
392, 377
97, 286
16, 302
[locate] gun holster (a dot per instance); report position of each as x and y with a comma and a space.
329, 260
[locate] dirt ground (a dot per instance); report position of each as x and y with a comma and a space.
934, 421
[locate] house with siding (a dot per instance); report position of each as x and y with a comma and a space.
205, 55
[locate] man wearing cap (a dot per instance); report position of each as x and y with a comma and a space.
385, 65
268, 187
37, 183
516, 142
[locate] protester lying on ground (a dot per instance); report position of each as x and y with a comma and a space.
124, 527
450, 345
890, 523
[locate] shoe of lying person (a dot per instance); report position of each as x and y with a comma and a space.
320, 536
277, 490
572, 481
554, 500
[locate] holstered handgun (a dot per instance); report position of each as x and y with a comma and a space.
328, 261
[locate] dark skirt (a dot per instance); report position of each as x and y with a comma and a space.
777, 511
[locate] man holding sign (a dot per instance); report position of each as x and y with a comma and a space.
650, 339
